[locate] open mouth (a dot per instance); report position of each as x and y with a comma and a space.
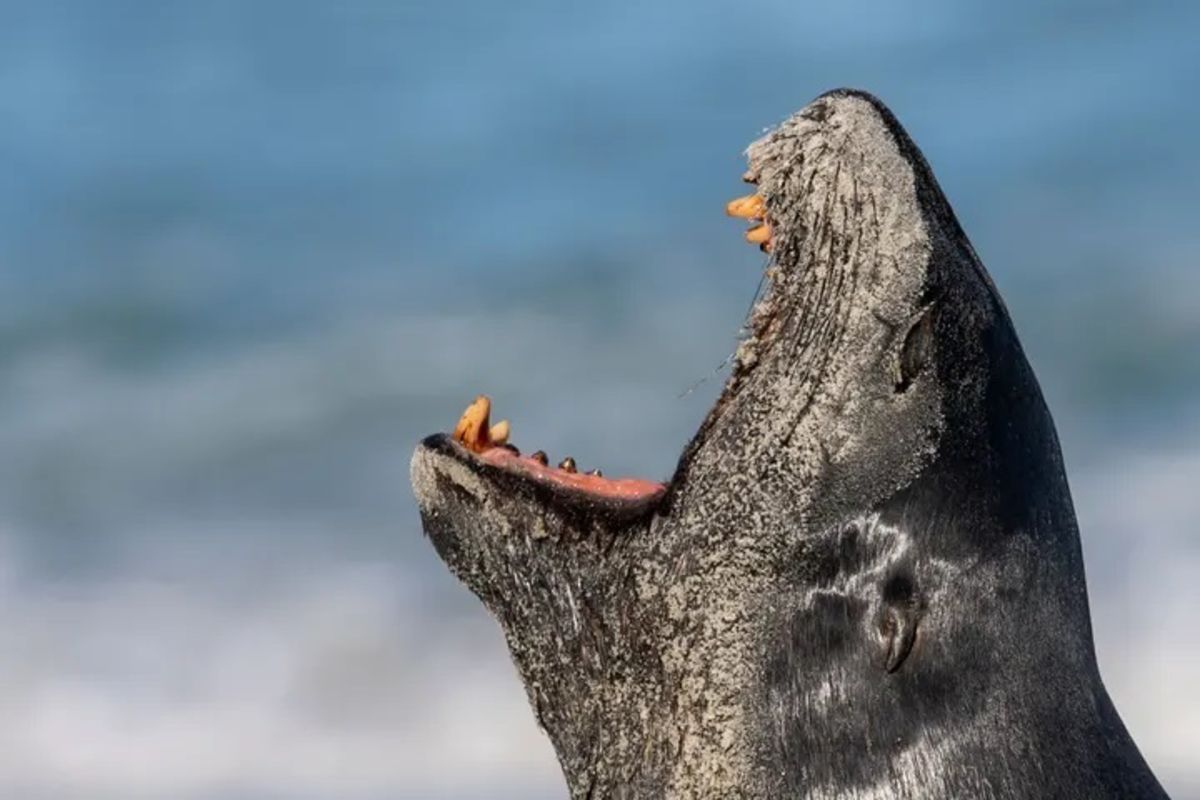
483, 444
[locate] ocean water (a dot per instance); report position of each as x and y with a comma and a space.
251, 253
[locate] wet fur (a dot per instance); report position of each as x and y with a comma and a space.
865, 580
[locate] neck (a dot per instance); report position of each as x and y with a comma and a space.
644, 683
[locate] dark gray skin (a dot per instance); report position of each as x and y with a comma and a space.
864, 580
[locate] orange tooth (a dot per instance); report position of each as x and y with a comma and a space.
472, 427
748, 207
759, 235
498, 433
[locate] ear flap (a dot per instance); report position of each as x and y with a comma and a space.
899, 616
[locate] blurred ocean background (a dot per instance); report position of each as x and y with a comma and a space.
251, 252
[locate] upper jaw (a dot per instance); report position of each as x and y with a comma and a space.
846, 276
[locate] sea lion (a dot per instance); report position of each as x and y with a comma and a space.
864, 578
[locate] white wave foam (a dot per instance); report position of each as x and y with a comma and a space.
335, 680
1140, 517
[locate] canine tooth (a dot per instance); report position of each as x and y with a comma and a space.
759, 235
595, 473
472, 427
541, 457
498, 433
567, 464
748, 207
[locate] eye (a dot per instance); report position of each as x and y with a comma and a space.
918, 347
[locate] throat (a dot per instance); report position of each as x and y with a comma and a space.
644, 692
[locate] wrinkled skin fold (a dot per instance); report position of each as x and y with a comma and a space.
864, 579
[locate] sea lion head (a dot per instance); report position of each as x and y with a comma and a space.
865, 570
835, 391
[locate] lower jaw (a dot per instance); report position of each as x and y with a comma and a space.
475, 438
631, 489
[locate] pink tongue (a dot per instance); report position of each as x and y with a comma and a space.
617, 488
